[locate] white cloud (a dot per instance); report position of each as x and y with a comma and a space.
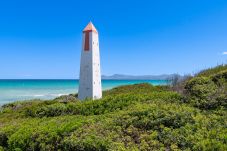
224, 53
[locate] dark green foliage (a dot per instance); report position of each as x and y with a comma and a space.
97, 107
208, 92
152, 118
135, 117
201, 88
89, 107
143, 88
86, 138
3, 139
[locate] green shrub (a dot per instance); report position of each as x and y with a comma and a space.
44, 134
136, 117
201, 88
201, 92
106, 105
91, 142
143, 88
208, 92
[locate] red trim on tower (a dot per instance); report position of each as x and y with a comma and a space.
86, 43
90, 31
90, 28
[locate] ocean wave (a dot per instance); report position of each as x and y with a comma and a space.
45, 95
38, 95
57, 95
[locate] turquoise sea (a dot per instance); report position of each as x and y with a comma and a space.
16, 90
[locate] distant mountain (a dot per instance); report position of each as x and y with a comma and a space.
140, 77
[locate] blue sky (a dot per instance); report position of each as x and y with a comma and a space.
42, 38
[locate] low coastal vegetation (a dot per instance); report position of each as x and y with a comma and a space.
133, 117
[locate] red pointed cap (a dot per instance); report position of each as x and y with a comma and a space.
90, 27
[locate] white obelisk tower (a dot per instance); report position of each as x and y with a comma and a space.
90, 76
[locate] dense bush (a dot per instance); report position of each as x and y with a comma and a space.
201, 88
143, 88
135, 117
97, 107
208, 92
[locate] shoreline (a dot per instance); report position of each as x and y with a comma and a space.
14, 90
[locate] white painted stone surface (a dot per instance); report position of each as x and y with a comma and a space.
90, 74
